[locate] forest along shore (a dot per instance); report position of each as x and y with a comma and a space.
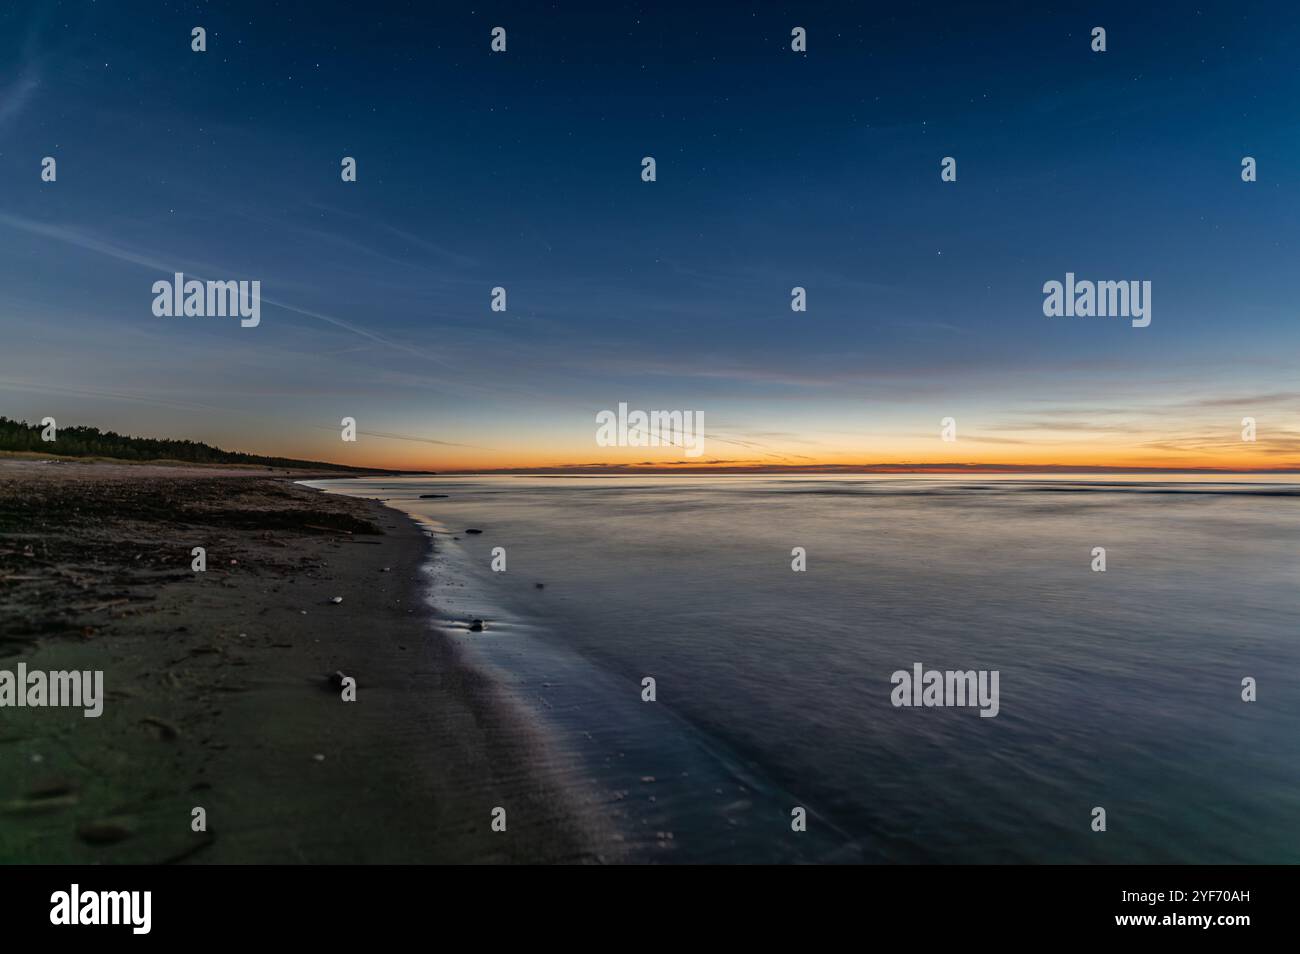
217, 688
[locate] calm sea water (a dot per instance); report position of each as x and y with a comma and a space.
1119, 689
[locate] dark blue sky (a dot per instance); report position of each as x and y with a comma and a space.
775, 169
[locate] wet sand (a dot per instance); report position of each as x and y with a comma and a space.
217, 684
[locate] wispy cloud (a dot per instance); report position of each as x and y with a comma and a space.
18, 95
85, 239
386, 435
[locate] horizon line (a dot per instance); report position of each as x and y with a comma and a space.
900, 469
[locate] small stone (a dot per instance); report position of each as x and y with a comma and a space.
51, 788
166, 731
104, 832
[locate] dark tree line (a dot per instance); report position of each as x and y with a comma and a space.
92, 442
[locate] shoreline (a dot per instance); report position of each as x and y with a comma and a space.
676, 790
217, 688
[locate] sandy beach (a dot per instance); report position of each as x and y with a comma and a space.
217, 684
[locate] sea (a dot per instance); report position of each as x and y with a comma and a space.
717, 657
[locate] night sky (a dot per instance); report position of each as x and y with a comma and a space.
775, 169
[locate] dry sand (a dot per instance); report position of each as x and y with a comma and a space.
217, 690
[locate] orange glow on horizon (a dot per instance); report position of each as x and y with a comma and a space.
906, 456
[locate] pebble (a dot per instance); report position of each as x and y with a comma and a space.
166, 731
102, 832
50, 788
